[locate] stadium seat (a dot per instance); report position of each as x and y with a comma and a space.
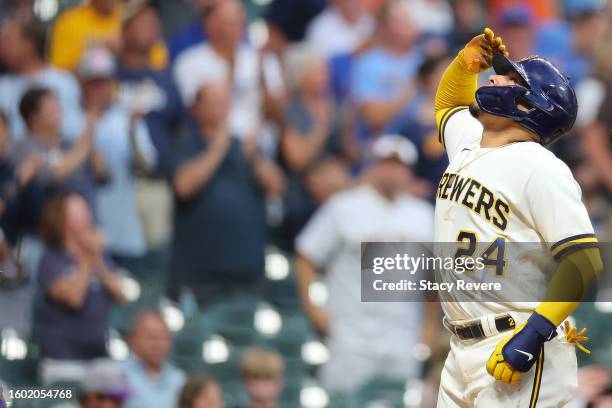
19, 372
382, 393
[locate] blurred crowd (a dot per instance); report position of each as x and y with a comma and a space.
200, 136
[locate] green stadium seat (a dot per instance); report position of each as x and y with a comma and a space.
234, 393
290, 396
382, 391
282, 294
19, 372
599, 327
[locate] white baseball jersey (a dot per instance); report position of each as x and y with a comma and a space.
516, 193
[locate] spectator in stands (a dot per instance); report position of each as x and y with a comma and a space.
320, 181
22, 49
311, 132
325, 178
19, 265
329, 245
594, 196
310, 117
153, 381
94, 23
594, 387
22, 9
342, 27
417, 122
288, 21
517, 26
103, 386
11, 183
220, 210
123, 140
201, 392
226, 57
433, 18
588, 24
194, 33
596, 140
78, 284
262, 372
144, 90
381, 84
10, 276
10, 186
61, 164
142, 87
469, 16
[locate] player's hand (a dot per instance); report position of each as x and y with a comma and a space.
518, 353
477, 55
499, 368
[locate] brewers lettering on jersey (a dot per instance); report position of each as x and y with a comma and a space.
502, 188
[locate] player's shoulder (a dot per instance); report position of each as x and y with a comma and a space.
458, 129
457, 117
538, 159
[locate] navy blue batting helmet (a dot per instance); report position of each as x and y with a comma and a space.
545, 91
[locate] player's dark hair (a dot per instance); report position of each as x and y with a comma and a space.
30, 102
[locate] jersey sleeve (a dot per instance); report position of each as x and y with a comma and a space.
557, 210
458, 130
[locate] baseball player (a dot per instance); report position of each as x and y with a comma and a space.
503, 186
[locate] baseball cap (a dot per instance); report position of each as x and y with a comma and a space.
395, 146
516, 15
97, 62
105, 377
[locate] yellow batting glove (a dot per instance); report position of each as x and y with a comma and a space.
499, 368
518, 353
477, 55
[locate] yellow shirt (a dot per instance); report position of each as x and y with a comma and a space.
80, 27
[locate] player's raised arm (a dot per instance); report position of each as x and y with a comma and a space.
459, 82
